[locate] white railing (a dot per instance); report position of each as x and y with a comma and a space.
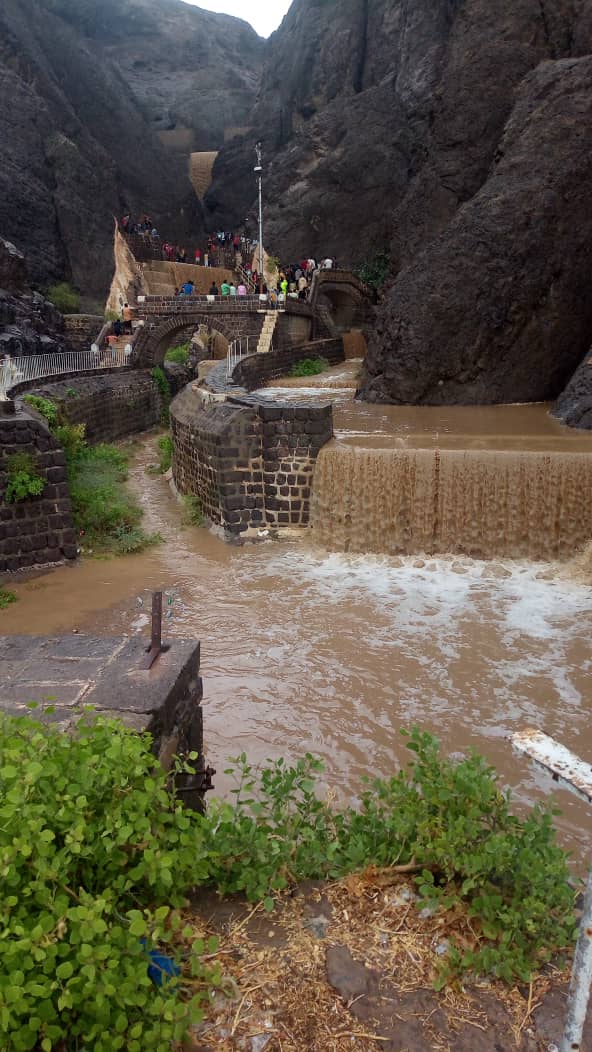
238, 349
15, 371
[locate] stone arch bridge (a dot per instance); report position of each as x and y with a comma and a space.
166, 320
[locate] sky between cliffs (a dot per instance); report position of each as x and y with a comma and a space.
264, 15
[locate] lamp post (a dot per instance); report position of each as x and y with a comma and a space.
259, 171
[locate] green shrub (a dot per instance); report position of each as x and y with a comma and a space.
309, 367
24, 478
96, 856
450, 819
165, 447
64, 297
6, 598
375, 271
159, 377
178, 354
71, 438
193, 513
44, 406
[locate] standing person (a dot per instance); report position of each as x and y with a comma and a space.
232, 289
225, 288
197, 257
241, 290
327, 263
213, 289
187, 289
127, 317
284, 285
182, 256
206, 259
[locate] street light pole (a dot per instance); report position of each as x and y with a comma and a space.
259, 170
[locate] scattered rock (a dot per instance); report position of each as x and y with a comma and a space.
348, 977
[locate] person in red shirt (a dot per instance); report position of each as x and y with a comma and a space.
197, 257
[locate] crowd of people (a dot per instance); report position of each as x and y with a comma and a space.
233, 250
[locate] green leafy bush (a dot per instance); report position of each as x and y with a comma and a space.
309, 367
159, 377
44, 406
375, 271
95, 855
165, 447
6, 598
24, 479
193, 513
449, 819
64, 297
178, 354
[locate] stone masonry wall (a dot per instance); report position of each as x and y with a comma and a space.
111, 405
39, 530
249, 461
82, 329
259, 369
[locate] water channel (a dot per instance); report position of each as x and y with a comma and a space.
307, 648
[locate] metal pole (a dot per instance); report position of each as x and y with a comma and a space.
259, 170
576, 775
581, 977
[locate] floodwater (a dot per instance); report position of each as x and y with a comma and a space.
308, 649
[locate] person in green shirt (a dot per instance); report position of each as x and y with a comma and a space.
225, 288
284, 285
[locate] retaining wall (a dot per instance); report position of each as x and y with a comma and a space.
82, 329
248, 458
39, 530
259, 369
111, 405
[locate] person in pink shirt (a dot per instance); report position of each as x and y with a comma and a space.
241, 290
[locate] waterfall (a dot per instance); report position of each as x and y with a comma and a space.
482, 503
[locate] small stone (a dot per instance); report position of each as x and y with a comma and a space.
318, 925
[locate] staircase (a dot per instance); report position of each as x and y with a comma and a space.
200, 171
266, 337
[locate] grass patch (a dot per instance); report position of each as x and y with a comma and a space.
192, 510
7, 597
165, 452
105, 514
178, 354
309, 367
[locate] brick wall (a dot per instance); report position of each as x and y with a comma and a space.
259, 369
249, 461
39, 530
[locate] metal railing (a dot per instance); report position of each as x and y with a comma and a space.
14, 371
238, 349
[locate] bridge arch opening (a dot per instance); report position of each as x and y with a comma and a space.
343, 303
155, 342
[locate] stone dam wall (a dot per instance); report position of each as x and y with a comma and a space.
249, 459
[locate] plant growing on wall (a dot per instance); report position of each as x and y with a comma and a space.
309, 367
178, 354
44, 406
6, 598
159, 376
24, 478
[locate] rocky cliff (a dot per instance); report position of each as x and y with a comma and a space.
85, 89
453, 134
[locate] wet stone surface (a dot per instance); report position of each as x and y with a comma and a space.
64, 675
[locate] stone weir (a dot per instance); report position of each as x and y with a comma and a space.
482, 503
250, 459
65, 675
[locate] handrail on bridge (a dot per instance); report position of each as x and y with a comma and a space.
15, 371
238, 349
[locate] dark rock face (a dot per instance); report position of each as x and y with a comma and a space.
29, 324
380, 118
78, 145
497, 307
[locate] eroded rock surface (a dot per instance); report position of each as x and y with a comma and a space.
85, 89
497, 307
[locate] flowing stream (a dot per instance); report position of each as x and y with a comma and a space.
333, 652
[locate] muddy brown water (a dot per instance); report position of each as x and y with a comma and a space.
309, 649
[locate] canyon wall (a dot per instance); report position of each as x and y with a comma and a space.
85, 91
